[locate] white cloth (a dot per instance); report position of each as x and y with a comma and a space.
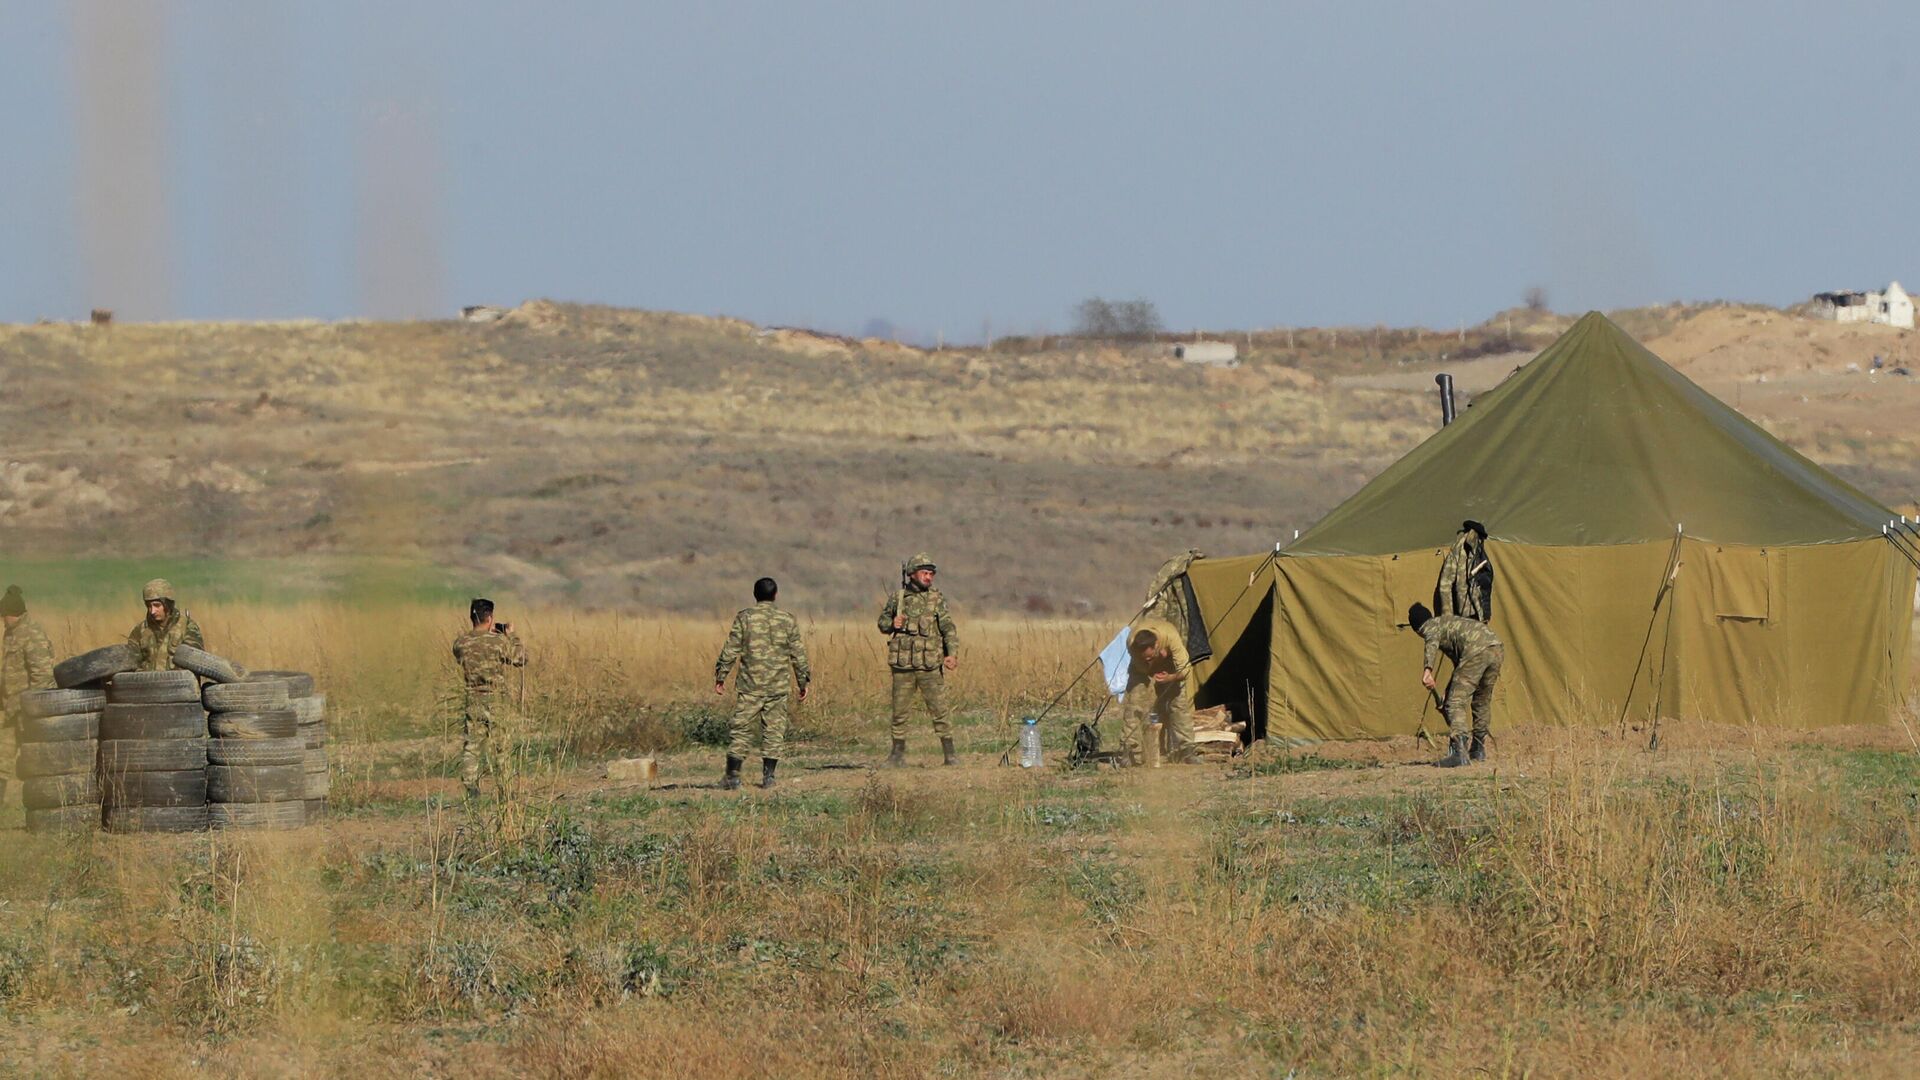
1114, 661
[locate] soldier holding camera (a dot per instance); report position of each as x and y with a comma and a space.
484, 653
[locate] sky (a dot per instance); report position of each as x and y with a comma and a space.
952, 170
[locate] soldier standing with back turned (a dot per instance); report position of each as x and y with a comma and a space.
765, 642
484, 653
922, 646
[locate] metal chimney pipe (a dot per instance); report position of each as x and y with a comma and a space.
1445, 382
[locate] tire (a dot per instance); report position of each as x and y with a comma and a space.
77, 818
53, 792
256, 752
129, 756
80, 725
160, 819
91, 667
181, 720
246, 696
315, 735
319, 785
153, 688
299, 683
311, 709
316, 809
260, 815
61, 702
207, 665
314, 760
181, 787
272, 724
56, 758
265, 783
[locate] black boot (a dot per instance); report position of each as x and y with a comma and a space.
1456, 753
766, 771
731, 781
946, 752
899, 755
1478, 750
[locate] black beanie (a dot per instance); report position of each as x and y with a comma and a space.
13, 603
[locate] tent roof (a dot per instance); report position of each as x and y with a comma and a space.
1597, 441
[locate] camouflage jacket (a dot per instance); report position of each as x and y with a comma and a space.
485, 656
1457, 636
26, 663
765, 642
1465, 586
153, 645
926, 635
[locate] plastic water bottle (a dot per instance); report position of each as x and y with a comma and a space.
1030, 743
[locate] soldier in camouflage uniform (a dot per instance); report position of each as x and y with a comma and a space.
26, 663
166, 627
765, 642
1466, 577
922, 646
1157, 681
484, 653
1477, 655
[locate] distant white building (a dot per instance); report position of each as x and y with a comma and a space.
1211, 353
1891, 308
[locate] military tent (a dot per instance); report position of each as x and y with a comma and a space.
1658, 555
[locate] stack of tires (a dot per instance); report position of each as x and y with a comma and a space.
257, 777
310, 709
153, 753
59, 736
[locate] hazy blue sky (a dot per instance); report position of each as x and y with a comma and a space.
941, 165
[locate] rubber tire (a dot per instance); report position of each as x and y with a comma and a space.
311, 709
314, 760
263, 696
180, 720
265, 783
316, 809
256, 752
80, 725
153, 688
273, 724
156, 819
299, 683
207, 665
129, 756
61, 702
78, 818
319, 785
315, 735
182, 787
51, 792
91, 667
55, 758
291, 814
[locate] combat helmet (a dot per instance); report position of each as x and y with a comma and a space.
157, 589
920, 561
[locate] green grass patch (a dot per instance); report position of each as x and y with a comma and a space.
113, 582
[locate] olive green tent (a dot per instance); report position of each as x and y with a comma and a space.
1658, 555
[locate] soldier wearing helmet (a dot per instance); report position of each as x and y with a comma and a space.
166, 627
922, 646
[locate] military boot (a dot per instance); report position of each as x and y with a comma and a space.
899, 755
1456, 753
731, 781
766, 771
1478, 749
946, 752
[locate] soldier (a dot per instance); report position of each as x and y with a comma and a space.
26, 659
1466, 578
1158, 671
484, 654
1476, 654
765, 641
166, 627
922, 646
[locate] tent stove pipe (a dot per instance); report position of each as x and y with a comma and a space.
1445, 382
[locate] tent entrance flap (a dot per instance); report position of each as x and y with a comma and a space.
1199, 647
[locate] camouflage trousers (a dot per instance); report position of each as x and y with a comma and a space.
1470, 691
478, 752
759, 714
931, 686
1170, 700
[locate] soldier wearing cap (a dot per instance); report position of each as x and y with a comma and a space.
26, 659
484, 653
166, 627
1477, 655
1465, 587
922, 646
